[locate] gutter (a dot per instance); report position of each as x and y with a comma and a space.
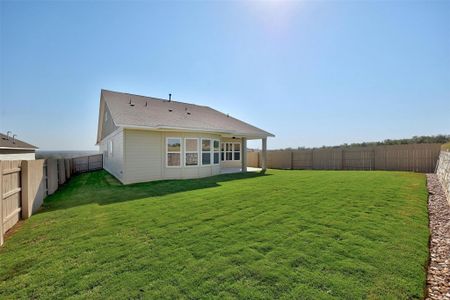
193, 129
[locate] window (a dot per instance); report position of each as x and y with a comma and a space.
110, 148
216, 153
191, 152
106, 116
237, 151
230, 151
206, 152
173, 148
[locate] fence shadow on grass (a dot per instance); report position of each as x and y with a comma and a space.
102, 188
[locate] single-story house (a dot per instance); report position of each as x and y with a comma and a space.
144, 139
14, 149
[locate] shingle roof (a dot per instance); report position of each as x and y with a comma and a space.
6, 143
164, 114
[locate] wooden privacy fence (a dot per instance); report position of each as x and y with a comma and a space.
10, 195
416, 158
24, 184
87, 163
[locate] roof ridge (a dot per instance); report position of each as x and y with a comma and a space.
154, 98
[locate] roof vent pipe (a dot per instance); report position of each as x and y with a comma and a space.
170, 97
14, 138
7, 134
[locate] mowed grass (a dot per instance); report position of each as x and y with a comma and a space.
284, 235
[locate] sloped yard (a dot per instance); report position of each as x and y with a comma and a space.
287, 234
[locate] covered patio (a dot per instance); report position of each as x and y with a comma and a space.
244, 162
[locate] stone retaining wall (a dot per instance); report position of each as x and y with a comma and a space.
443, 172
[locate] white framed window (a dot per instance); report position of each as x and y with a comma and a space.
190, 152
206, 152
237, 151
173, 152
110, 148
216, 151
230, 151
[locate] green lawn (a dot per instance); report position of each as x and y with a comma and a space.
286, 234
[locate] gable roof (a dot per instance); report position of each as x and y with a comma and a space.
6, 143
160, 114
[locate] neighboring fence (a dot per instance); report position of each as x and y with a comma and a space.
417, 158
24, 184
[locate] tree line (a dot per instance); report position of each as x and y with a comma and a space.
424, 139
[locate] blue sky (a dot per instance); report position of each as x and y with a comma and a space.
312, 73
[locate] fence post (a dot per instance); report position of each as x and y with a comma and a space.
67, 167
52, 175
258, 159
61, 171
25, 177
292, 160
1, 204
32, 188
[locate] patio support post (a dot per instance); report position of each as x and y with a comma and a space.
264, 155
244, 155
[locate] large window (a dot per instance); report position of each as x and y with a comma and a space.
216, 153
173, 146
231, 151
191, 152
206, 152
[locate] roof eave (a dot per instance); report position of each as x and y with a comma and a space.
172, 128
19, 148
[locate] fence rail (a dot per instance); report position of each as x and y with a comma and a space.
416, 158
25, 183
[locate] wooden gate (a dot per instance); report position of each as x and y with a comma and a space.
10, 192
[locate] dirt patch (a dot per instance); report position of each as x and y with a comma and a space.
438, 278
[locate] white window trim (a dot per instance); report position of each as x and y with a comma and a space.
225, 151
180, 152
186, 152
215, 151
210, 152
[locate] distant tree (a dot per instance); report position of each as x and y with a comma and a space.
438, 139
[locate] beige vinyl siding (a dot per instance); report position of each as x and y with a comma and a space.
17, 156
233, 163
146, 160
143, 156
114, 163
